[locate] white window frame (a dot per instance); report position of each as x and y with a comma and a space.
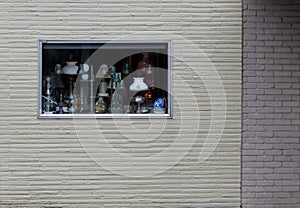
112, 44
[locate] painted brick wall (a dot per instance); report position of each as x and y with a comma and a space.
271, 110
46, 163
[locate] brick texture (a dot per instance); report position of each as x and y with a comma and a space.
43, 162
271, 94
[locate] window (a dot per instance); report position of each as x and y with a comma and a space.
104, 78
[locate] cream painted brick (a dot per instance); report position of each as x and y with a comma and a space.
43, 163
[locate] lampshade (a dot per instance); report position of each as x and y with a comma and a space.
138, 84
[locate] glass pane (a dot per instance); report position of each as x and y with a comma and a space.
104, 78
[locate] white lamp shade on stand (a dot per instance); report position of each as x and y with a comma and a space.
138, 84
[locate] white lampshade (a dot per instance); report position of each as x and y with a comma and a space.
138, 84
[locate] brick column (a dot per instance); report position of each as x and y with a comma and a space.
271, 110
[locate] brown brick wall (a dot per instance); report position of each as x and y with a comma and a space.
271, 110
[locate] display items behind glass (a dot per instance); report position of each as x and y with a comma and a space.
104, 78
